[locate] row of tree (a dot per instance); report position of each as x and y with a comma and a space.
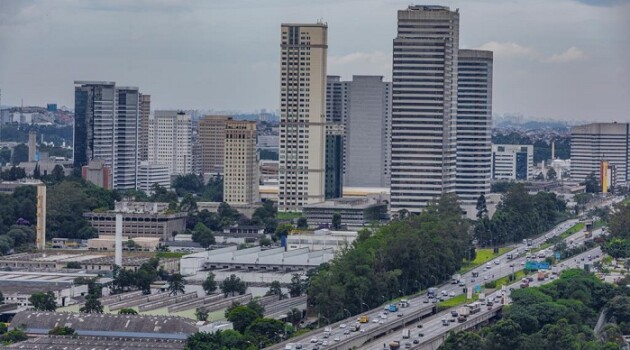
617, 243
559, 315
519, 215
399, 258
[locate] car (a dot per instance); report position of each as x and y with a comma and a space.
325, 343
522, 263
384, 316
451, 294
442, 299
454, 313
362, 330
346, 332
511, 265
375, 320
444, 293
419, 325
315, 347
472, 280
421, 335
337, 339
416, 341
497, 262
313, 340
434, 301
400, 314
453, 319
485, 278
426, 301
321, 342
343, 325
488, 266
381, 322
407, 345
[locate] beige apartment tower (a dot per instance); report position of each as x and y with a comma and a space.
304, 49
143, 142
240, 179
211, 141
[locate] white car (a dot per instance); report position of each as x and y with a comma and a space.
451, 294
343, 325
381, 322
314, 340
485, 278
444, 293
488, 266
337, 339
497, 262
375, 320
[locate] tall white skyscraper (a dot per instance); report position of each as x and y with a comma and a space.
474, 125
170, 141
107, 129
424, 106
304, 49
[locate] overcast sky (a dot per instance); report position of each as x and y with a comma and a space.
561, 59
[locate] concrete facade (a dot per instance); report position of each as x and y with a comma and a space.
303, 51
212, 141
593, 143
424, 106
368, 132
240, 180
170, 141
355, 212
150, 174
512, 162
474, 125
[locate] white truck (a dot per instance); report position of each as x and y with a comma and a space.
456, 278
463, 314
406, 333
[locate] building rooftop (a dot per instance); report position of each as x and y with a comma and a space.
347, 203
137, 326
97, 343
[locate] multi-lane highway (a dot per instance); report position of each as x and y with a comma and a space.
418, 305
433, 327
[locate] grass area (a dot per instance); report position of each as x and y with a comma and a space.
483, 256
598, 224
288, 215
573, 229
456, 301
504, 281
167, 255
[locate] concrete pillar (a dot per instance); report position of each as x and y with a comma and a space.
119, 242
41, 217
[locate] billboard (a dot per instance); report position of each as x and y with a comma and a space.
535, 265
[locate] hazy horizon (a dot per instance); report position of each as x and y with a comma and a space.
561, 60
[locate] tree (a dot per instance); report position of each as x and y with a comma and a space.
302, 223
265, 330
463, 340
233, 285
214, 189
127, 311
551, 174
13, 336
62, 330
202, 235
209, 285
57, 174
336, 221
201, 314
176, 284
241, 317
92, 305
295, 316
36, 172
73, 265
5, 155
592, 183
43, 301
276, 289
296, 287
20, 154
482, 208
255, 305
1, 298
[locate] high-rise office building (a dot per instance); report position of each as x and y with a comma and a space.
424, 106
304, 50
368, 133
106, 128
591, 144
211, 140
145, 111
474, 125
240, 180
170, 141
512, 162
126, 133
336, 99
94, 104
333, 187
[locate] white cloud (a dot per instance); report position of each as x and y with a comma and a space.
514, 50
570, 55
357, 63
509, 49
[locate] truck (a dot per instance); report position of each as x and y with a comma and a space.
327, 332
463, 313
530, 242
541, 276
474, 307
356, 327
431, 292
364, 319
524, 283
403, 303
393, 308
394, 345
456, 278
510, 256
406, 333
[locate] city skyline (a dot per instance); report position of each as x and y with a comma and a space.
567, 67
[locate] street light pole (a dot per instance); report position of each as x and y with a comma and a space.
366, 306
349, 314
